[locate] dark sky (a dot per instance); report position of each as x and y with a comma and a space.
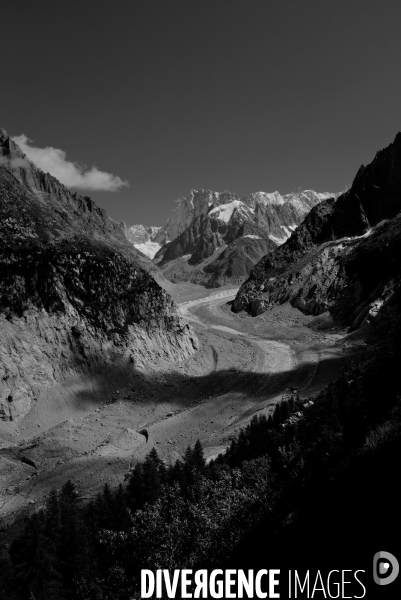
171, 95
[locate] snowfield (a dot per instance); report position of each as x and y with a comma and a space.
225, 211
148, 248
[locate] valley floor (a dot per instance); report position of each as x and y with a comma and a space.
245, 365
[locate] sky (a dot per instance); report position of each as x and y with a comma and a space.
136, 102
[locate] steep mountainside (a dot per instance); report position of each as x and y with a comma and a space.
199, 202
345, 257
74, 212
207, 223
75, 296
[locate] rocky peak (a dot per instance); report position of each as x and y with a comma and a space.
4, 138
10, 151
263, 198
140, 234
226, 197
375, 194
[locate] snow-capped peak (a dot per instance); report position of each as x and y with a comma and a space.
264, 198
224, 212
148, 248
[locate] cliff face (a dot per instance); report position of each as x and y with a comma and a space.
75, 296
208, 250
139, 234
198, 203
344, 257
374, 195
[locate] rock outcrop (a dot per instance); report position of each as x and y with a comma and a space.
75, 296
344, 257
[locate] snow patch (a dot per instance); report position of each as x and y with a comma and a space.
254, 237
371, 230
367, 234
286, 230
301, 200
148, 248
246, 209
277, 240
381, 223
225, 211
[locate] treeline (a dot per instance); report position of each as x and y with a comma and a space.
166, 516
308, 470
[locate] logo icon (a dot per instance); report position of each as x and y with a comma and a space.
385, 568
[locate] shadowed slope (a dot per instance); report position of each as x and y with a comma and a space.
74, 294
344, 257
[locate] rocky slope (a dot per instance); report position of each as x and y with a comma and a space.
345, 257
202, 235
75, 296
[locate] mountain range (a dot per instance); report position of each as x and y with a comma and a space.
215, 238
344, 257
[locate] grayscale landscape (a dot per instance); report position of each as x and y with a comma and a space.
200, 297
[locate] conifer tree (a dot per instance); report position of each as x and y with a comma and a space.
198, 459
136, 488
151, 477
72, 548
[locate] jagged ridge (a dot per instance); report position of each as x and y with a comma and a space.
199, 253
75, 296
344, 257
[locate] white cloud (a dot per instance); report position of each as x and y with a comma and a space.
53, 161
14, 162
